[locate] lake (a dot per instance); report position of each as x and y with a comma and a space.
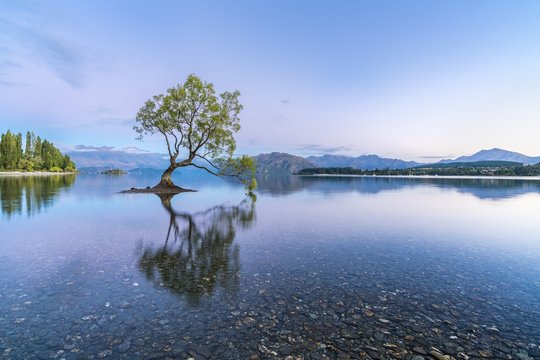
315, 268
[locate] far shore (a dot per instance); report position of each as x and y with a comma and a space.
33, 173
430, 176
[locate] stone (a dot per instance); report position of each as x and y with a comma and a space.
104, 353
485, 353
124, 347
437, 355
368, 312
286, 349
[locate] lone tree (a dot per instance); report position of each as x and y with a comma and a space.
198, 127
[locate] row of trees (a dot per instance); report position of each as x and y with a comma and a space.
515, 170
35, 155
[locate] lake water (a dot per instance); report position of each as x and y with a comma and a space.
315, 268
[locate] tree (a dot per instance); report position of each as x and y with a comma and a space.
198, 127
9, 151
18, 149
37, 149
29, 145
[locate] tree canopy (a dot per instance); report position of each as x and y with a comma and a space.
38, 154
198, 127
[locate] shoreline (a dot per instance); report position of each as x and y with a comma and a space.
470, 177
34, 173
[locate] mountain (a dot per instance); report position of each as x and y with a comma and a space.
94, 159
280, 163
122, 159
364, 162
496, 155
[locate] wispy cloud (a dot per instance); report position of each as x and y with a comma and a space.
129, 149
93, 148
5, 65
23, 35
285, 101
63, 58
129, 122
319, 148
435, 157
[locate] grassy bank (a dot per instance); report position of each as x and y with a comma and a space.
33, 173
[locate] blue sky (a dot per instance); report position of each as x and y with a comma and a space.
408, 79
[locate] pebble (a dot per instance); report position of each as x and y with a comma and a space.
124, 347
368, 312
286, 349
355, 308
104, 353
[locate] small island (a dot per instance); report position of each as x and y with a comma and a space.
114, 172
38, 156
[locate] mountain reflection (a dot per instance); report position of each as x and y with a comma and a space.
199, 255
31, 194
482, 188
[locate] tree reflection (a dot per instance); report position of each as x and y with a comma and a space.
31, 194
198, 255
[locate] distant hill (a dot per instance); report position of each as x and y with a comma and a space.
121, 159
496, 155
364, 162
280, 164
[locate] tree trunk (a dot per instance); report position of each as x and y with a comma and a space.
166, 181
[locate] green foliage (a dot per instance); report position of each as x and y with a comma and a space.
26, 165
38, 155
242, 167
198, 126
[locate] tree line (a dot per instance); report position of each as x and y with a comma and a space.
515, 170
35, 154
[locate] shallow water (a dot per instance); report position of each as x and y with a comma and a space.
316, 268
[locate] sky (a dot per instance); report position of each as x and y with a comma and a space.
412, 79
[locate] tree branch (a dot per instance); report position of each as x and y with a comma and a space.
204, 158
168, 145
205, 168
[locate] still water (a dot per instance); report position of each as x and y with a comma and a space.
315, 268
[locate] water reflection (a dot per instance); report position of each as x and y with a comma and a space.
199, 254
31, 194
482, 188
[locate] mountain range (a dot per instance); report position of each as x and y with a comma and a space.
277, 163
365, 162
125, 159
